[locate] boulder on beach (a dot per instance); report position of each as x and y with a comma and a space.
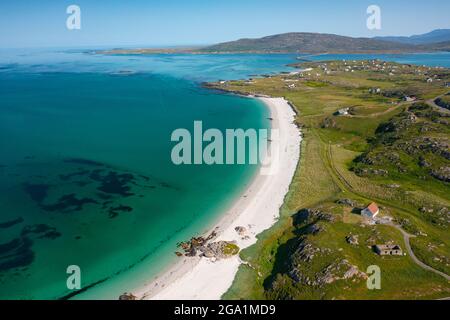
241, 231
127, 296
220, 250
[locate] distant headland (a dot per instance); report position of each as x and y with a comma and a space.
314, 43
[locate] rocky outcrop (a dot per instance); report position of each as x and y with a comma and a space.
397, 125
363, 172
328, 123
242, 231
127, 297
336, 271
191, 247
314, 229
312, 216
435, 146
352, 239
347, 202
219, 250
203, 247
342, 270
442, 174
321, 216
408, 137
306, 252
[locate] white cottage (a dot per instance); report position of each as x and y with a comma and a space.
371, 211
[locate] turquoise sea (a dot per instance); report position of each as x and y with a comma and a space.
85, 172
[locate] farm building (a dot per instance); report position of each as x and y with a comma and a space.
388, 250
371, 211
342, 112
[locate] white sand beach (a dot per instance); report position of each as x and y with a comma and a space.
256, 210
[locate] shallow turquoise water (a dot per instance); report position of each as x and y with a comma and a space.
85, 171
63, 134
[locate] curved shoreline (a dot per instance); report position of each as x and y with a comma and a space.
257, 209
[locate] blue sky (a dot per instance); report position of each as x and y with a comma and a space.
32, 23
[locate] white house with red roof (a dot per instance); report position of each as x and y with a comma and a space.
371, 211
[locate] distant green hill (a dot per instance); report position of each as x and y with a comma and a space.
297, 42
440, 46
435, 36
301, 42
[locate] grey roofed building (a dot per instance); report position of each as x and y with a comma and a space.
388, 250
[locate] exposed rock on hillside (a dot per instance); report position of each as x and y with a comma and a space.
353, 239
442, 174
342, 270
412, 143
339, 270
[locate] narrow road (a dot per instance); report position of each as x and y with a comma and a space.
407, 237
374, 115
432, 103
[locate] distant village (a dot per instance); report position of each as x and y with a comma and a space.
320, 71
427, 74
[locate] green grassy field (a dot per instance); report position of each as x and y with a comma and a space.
343, 157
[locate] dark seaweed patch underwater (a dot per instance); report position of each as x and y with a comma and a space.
102, 187
84, 161
10, 223
106, 187
18, 253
